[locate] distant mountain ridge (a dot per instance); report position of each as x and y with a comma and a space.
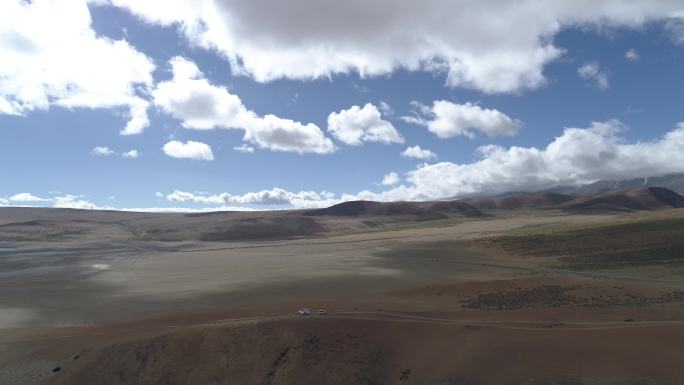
419, 210
649, 198
674, 182
639, 199
31, 224
529, 200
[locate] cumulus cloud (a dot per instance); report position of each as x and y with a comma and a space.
578, 156
305, 39
184, 209
132, 154
138, 118
60, 201
102, 151
52, 57
357, 125
244, 149
418, 153
632, 55
80, 202
190, 98
188, 150
75, 202
106, 151
390, 179
273, 197
27, 197
446, 119
593, 71
201, 105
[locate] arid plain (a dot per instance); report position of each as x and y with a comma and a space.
530, 289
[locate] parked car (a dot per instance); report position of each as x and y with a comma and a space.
304, 312
322, 312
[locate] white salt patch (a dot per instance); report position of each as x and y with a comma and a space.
100, 266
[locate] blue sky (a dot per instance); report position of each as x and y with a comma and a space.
610, 114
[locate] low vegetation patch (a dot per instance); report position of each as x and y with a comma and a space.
539, 296
557, 295
646, 242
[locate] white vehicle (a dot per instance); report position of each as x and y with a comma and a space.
304, 312
322, 312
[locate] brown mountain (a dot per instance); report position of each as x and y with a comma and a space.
520, 201
649, 198
419, 210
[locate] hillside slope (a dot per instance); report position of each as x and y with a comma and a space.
650, 198
531, 200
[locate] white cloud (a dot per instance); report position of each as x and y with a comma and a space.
385, 108
279, 134
579, 155
418, 153
244, 148
201, 105
62, 201
357, 125
79, 202
273, 197
593, 71
446, 119
188, 150
632, 55
138, 118
390, 179
675, 28
102, 151
52, 57
492, 46
184, 209
75, 202
132, 154
190, 98
27, 197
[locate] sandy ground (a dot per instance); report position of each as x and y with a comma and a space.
423, 305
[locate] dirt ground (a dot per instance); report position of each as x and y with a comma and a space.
433, 304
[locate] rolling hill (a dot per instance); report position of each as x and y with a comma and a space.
29, 224
520, 200
649, 198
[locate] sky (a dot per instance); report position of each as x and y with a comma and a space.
200, 105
